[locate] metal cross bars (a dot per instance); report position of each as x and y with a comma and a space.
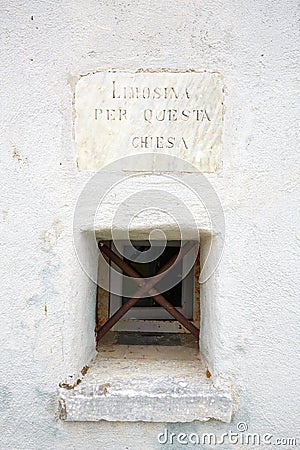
146, 287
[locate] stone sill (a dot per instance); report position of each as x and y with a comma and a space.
131, 390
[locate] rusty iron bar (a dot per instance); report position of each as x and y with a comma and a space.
135, 275
174, 312
138, 279
145, 287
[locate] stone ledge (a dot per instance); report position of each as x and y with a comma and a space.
150, 391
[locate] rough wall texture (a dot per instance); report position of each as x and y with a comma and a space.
44, 45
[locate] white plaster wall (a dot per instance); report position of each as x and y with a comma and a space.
254, 45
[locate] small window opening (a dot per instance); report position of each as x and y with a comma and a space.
147, 322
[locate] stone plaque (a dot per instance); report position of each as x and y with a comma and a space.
178, 113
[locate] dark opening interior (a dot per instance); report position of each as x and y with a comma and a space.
149, 269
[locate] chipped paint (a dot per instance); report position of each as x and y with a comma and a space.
49, 238
16, 154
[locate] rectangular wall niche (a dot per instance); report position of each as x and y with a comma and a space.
121, 113
156, 375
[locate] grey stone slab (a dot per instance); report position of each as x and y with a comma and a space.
151, 391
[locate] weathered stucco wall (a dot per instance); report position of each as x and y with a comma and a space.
45, 47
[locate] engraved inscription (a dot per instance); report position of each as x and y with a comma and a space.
119, 114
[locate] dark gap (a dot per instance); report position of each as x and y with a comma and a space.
150, 269
133, 338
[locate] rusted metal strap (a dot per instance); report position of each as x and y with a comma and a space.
146, 287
